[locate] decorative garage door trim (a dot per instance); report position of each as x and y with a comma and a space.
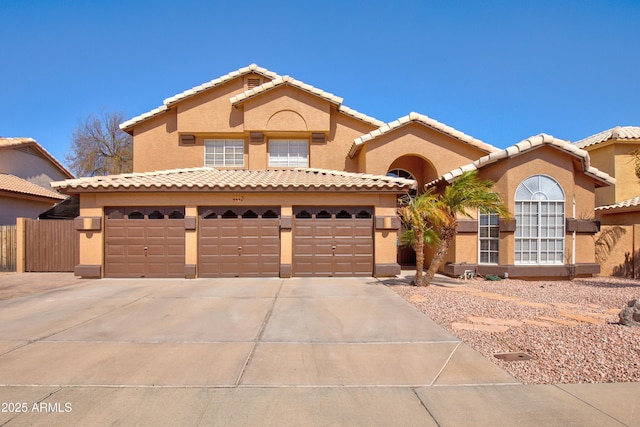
239, 241
145, 241
333, 241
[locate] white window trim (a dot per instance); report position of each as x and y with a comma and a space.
540, 199
488, 238
227, 144
287, 158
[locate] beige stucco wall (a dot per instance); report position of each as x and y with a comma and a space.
613, 157
416, 140
627, 183
286, 109
282, 113
14, 207
619, 250
30, 166
507, 176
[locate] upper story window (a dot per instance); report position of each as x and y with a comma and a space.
224, 152
540, 221
292, 153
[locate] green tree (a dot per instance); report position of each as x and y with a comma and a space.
99, 147
418, 214
466, 193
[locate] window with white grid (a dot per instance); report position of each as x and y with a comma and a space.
489, 237
223, 152
292, 153
540, 221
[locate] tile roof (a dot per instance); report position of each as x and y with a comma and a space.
30, 142
207, 179
626, 205
422, 119
281, 81
13, 184
253, 68
618, 132
524, 146
287, 80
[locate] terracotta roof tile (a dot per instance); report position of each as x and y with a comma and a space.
14, 184
425, 120
626, 205
618, 132
253, 68
524, 146
30, 142
207, 179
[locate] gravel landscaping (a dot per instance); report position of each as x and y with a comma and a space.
570, 328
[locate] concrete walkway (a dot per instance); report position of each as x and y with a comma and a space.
262, 352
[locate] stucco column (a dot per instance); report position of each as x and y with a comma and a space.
191, 241
286, 240
386, 226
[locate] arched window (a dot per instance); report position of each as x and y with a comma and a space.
403, 173
539, 238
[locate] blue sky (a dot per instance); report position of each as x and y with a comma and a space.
500, 71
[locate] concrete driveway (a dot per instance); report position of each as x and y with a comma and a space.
253, 352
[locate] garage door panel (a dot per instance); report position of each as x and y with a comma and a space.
338, 246
219, 241
126, 239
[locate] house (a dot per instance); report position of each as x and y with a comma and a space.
257, 174
26, 172
617, 206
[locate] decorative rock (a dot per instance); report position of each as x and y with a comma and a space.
630, 315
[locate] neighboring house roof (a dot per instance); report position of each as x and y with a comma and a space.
207, 179
618, 132
523, 147
251, 69
13, 143
424, 120
13, 184
624, 206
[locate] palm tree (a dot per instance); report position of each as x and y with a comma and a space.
465, 193
418, 214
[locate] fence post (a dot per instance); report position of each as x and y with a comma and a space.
20, 244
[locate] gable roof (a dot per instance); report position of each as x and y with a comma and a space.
424, 120
628, 205
287, 80
524, 146
618, 132
12, 184
207, 179
282, 81
13, 143
167, 103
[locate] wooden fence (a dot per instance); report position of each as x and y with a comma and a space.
8, 247
50, 245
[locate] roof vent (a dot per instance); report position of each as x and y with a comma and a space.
187, 139
318, 138
253, 82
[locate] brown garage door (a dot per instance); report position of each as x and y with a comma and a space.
144, 242
329, 241
239, 242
